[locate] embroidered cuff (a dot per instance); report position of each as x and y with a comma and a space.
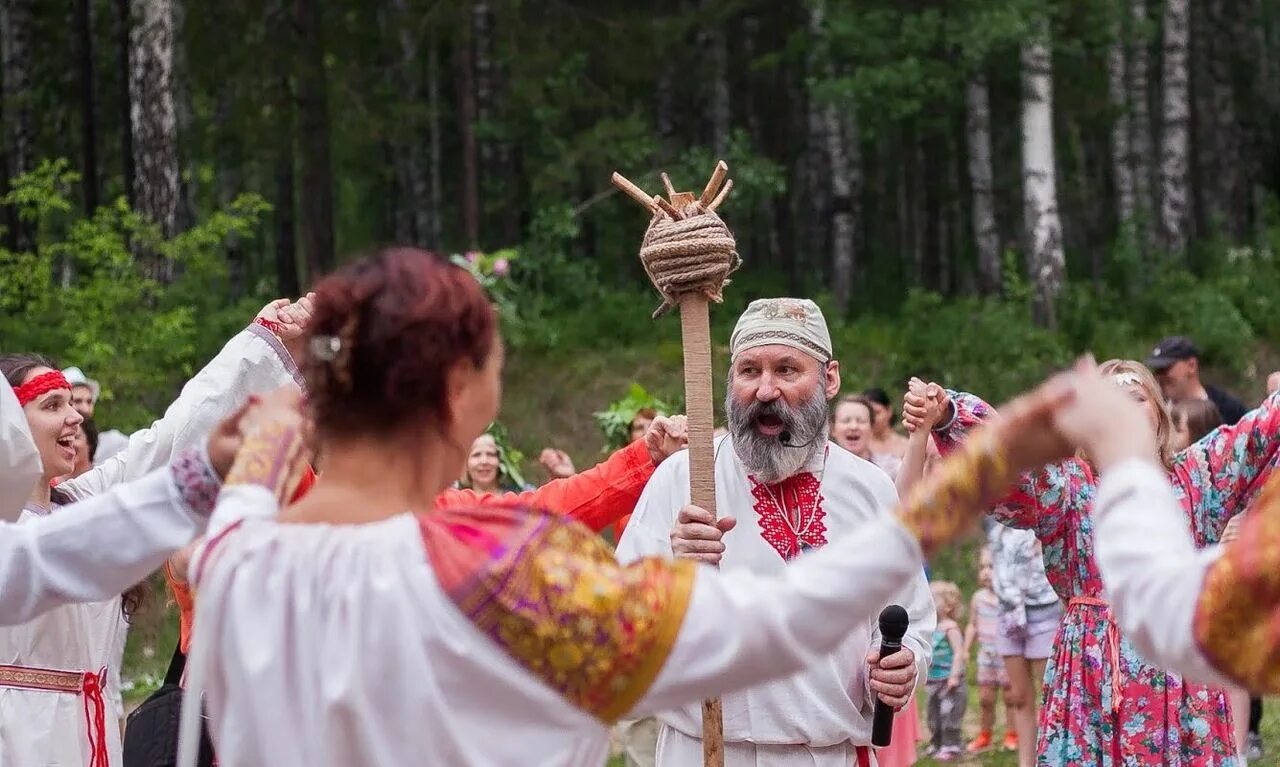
271, 457
947, 504
272, 340
195, 479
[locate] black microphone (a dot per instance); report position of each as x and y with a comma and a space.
893, 625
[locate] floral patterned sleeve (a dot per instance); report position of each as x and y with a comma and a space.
1223, 472
1041, 501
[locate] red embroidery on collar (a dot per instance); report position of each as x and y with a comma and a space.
803, 499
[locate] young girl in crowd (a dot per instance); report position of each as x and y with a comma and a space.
980, 635
947, 692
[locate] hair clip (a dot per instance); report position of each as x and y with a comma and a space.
325, 347
1126, 378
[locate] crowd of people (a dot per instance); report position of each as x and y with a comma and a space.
364, 577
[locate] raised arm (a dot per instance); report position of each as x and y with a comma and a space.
1043, 499
99, 547
601, 495
253, 361
1229, 465
19, 459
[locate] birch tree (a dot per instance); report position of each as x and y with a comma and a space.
1175, 137
1039, 179
986, 234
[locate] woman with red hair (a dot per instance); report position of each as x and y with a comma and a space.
368, 626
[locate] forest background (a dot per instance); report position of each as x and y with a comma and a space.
974, 190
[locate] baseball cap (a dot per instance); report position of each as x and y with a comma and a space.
76, 377
1170, 350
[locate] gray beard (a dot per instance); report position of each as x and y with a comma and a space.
766, 457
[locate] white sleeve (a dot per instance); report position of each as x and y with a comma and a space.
20, 468
236, 503
1151, 568
252, 362
742, 629
648, 532
96, 548
913, 595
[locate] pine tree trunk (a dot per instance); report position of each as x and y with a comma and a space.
15, 28
412, 143
154, 122
280, 22
313, 131
1121, 129
124, 28
1141, 144
482, 52
1175, 143
986, 233
1230, 176
185, 114
470, 155
88, 105
1040, 190
816, 204
716, 78
846, 170
434, 238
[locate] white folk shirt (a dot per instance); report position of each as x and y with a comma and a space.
338, 645
828, 707
43, 728
19, 459
1151, 568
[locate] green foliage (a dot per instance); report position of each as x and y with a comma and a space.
615, 422
509, 458
83, 297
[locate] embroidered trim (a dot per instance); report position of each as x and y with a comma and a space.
41, 384
1235, 621
947, 504
808, 532
82, 683
271, 457
551, 595
290, 365
197, 482
824, 355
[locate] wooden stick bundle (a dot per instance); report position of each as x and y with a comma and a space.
695, 332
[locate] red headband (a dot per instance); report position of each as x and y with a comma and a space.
45, 382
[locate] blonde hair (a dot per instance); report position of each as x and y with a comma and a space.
1134, 373
946, 595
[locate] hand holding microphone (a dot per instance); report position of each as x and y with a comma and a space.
893, 673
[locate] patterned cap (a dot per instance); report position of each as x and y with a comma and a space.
794, 322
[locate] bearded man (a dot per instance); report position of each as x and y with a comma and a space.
783, 489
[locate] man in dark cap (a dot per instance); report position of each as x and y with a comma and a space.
1176, 363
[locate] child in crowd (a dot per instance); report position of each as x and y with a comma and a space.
947, 693
980, 635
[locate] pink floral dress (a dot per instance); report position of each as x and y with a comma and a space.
1103, 704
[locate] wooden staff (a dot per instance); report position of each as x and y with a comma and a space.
695, 334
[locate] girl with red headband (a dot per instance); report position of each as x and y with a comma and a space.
59, 673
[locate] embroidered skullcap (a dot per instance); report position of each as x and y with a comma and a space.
794, 322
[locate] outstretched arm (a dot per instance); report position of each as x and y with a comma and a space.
99, 547
600, 495
254, 361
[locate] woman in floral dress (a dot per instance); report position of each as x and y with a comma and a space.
1103, 704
